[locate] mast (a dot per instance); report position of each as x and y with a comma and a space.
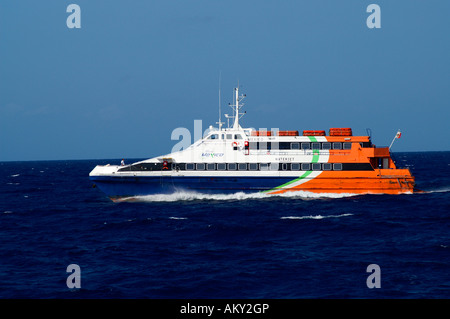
236, 106
220, 111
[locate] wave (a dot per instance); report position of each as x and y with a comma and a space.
438, 190
15, 175
192, 196
316, 216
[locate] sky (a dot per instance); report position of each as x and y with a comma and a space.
118, 86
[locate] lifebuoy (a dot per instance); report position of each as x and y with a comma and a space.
165, 165
234, 144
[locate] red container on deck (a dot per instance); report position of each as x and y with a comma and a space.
313, 133
343, 131
261, 133
287, 133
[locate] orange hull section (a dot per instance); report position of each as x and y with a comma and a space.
374, 182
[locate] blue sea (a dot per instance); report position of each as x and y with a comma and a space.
191, 246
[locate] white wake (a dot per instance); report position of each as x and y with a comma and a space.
192, 196
316, 216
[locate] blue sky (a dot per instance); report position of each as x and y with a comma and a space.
136, 70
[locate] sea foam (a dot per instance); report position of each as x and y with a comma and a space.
192, 196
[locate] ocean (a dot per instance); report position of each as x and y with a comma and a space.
239, 246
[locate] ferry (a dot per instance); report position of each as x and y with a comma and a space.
236, 159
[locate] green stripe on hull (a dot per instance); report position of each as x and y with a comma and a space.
315, 159
290, 182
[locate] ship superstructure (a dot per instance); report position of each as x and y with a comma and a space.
236, 159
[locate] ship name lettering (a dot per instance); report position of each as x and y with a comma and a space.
286, 159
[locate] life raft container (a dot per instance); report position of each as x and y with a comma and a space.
313, 133
261, 133
342, 131
287, 133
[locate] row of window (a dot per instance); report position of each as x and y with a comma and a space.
302, 146
249, 166
264, 166
225, 136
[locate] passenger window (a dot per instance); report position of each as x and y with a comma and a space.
306, 146
211, 166
284, 166
337, 146
201, 166
242, 166
295, 146
264, 166
316, 166
253, 166
221, 166
326, 146
274, 166
264, 145
229, 136
190, 166
306, 166
347, 146
232, 166
316, 146
237, 137
327, 166
337, 166
295, 167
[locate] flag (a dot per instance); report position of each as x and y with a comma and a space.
399, 134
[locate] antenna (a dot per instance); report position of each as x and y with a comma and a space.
228, 119
220, 111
